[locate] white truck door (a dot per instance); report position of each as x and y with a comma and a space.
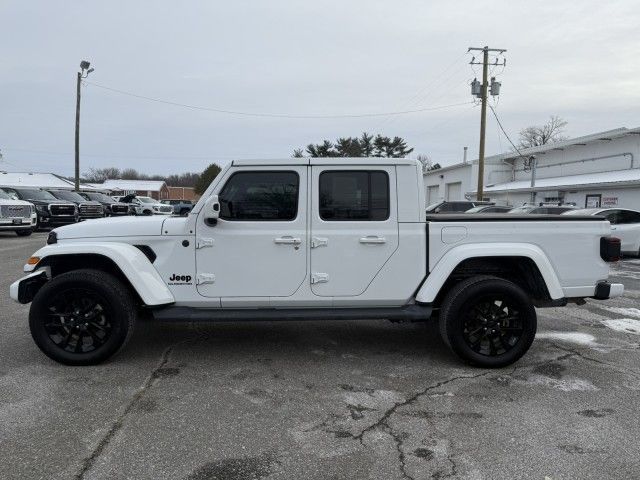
354, 227
258, 246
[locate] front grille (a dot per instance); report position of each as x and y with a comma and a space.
119, 208
15, 211
91, 210
62, 210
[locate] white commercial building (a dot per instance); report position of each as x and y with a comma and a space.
602, 169
149, 188
39, 180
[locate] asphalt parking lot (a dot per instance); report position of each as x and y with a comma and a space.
316, 400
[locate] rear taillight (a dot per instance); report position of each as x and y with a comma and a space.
610, 249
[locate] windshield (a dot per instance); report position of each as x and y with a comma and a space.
34, 194
433, 206
71, 196
146, 199
522, 209
581, 211
4, 196
100, 197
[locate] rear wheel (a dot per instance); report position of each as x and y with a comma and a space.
488, 321
82, 317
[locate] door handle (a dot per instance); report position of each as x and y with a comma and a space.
287, 240
373, 239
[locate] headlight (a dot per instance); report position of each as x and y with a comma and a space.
156, 208
42, 208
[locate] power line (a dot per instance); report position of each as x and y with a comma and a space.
272, 115
146, 157
505, 133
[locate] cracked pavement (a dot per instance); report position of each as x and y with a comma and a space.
316, 400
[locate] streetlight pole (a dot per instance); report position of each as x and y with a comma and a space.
83, 73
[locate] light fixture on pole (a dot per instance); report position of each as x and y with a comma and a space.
85, 70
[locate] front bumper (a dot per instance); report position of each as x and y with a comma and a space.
24, 289
17, 223
606, 290
56, 220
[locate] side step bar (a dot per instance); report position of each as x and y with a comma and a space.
412, 313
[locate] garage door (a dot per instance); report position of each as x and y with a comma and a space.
432, 194
454, 191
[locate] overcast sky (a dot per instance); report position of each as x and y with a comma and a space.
576, 59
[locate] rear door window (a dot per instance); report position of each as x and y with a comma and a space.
354, 195
627, 216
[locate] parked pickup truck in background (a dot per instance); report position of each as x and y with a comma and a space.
110, 207
146, 205
180, 207
51, 212
330, 239
16, 215
86, 208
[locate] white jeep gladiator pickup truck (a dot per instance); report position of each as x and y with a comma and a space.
302, 239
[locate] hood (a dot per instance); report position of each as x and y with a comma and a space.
13, 202
113, 227
50, 202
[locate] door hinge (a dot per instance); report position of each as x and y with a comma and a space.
203, 278
319, 278
203, 242
319, 242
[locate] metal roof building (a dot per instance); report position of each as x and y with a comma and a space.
150, 188
38, 180
601, 169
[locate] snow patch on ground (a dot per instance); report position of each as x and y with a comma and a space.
577, 338
564, 384
625, 325
627, 312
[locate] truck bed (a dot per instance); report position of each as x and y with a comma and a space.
509, 217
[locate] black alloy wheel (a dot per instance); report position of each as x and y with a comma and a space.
82, 317
79, 320
488, 321
492, 326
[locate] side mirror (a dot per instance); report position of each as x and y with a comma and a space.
212, 210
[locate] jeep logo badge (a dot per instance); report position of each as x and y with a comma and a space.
177, 279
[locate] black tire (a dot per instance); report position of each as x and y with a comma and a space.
147, 212
82, 317
488, 321
24, 233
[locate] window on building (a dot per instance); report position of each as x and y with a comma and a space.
354, 195
260, 196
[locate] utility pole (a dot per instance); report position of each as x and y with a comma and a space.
480, 90
83, 73
533, 162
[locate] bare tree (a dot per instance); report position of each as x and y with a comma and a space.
550, 132
427, 163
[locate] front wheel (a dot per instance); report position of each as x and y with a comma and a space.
488, 321
82, 317
24, 233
